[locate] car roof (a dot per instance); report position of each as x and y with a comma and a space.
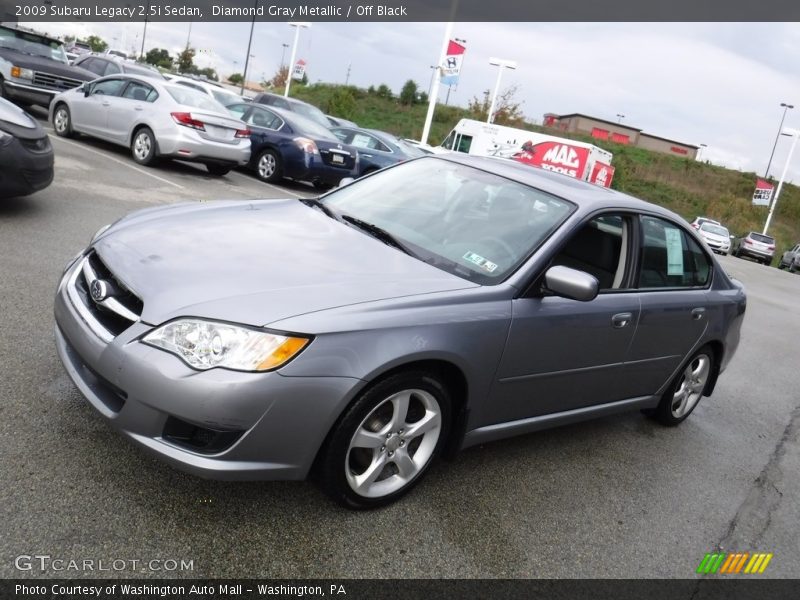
589, 197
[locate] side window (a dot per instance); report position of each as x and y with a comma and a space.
463, 143
264, 118
670, 258
600, 248
108, 87
193, 86
140, 92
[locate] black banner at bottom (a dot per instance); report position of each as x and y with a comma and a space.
411, 589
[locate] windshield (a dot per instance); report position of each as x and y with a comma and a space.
715, 229
764, 239
225, 98
312, 113
190, 97
32, 44
301, 124
462, 220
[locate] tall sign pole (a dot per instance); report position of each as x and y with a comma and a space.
795, 133
433, 95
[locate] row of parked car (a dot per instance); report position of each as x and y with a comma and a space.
758, 246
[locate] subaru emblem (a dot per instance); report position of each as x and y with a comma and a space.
99, 290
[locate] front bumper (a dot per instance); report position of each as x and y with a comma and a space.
274, 424
184, 144
28, 94
23, 172
716, 246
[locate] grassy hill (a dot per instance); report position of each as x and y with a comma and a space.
688, 187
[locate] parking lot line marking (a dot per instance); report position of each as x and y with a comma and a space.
274, 187
116, 160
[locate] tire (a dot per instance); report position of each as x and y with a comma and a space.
768, 262
268, 166
323, 187
62, 121
685, 391
219, 170
143, 147
781, 266
372, 457
793, 267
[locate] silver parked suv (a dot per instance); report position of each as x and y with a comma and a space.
790, 259
755, 245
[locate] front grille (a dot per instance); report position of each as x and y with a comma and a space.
39, 146
116, 311
327, 158
198, 439
54, 82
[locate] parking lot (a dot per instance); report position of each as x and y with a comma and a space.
617, 497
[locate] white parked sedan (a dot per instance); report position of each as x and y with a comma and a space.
154, 119
716, 237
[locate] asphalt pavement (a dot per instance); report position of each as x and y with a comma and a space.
616, 497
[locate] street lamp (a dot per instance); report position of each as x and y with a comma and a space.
501, 64
283, 54
700, 151
795, 133
780, 129
297, 26
620, 117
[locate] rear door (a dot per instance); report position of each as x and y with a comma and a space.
674, 274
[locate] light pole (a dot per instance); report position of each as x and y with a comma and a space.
620, 117
297, 26
795, 133
501, 64
700, 151
777, 137
144, 34
249, 44
283, 54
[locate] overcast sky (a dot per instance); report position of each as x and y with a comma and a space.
711, 83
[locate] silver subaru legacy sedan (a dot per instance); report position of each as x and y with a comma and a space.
444, 302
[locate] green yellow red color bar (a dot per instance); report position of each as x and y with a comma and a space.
734, 563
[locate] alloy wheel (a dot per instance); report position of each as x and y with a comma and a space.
692, 384
394, 443
61, 121
266, 165
142, 146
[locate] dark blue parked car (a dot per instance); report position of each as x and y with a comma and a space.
285, 144
376, 149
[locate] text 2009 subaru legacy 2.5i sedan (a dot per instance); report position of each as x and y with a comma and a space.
441, 303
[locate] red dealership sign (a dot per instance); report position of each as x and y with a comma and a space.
555, 156
602, 174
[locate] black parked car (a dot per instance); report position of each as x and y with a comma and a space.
26, 156
376, 149
286, 144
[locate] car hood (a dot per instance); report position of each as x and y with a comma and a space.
715, 237
256, 262
46, 65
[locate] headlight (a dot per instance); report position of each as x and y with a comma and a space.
21, 73
207, 344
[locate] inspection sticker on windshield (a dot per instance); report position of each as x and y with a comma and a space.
483, 263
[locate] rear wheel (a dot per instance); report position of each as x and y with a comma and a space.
385, 441
793, 267
143, 147
268, 166
62, 121
686, 389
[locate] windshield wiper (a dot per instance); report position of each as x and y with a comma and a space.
320, 205
379, 234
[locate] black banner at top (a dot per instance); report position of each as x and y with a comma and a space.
399, 10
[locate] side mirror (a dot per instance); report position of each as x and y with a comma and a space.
570, 283
87, 89
345, 181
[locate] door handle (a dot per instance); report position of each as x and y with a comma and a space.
621, 320
698, 313
137, 108
365, 155
106, 103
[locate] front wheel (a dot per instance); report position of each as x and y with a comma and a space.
62, 121
686, 389
385, 441
143, 147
